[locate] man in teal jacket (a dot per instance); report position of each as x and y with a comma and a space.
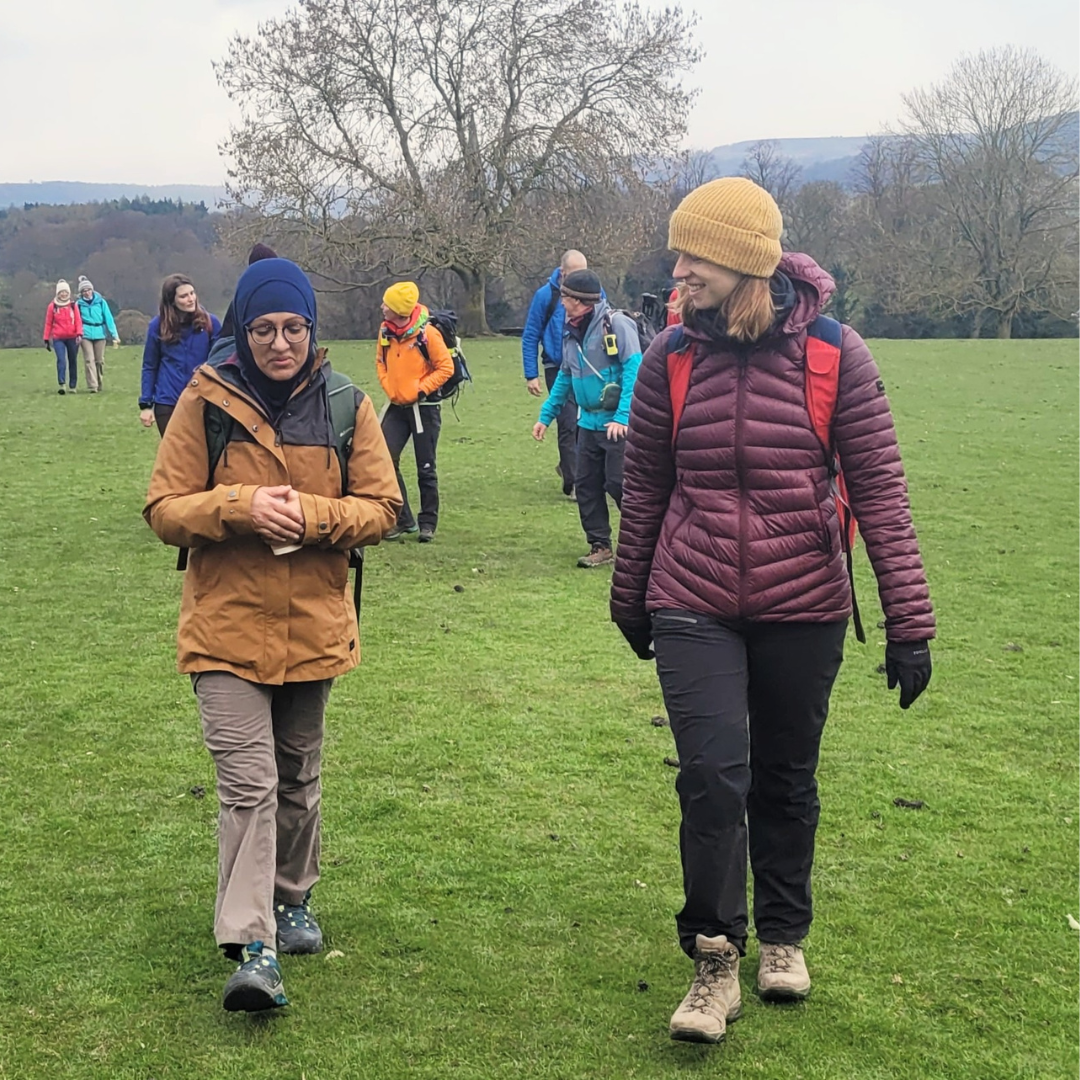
98, 324
601, 354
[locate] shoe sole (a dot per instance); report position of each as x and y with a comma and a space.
696, 1036
595, 565
250, 996
782, 995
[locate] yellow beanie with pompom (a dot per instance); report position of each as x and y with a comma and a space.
402, 298
730, 222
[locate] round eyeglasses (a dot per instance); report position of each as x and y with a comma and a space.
266, 333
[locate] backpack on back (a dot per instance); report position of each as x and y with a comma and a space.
646, 329
822, 380
445, 324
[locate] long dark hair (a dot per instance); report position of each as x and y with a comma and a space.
172, 320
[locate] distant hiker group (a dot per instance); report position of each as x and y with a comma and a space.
85, 321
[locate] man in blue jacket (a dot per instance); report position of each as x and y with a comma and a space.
543, 335
601, 354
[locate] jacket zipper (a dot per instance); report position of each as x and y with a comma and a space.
743, 357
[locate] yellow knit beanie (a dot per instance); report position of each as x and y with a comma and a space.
731, 222
402, 298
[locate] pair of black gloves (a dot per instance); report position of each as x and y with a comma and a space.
907, 663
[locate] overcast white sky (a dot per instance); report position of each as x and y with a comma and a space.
123, 91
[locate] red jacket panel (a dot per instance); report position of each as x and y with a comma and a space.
62, 322
736, 520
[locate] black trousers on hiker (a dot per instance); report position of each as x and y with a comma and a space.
599, 474
747, 704
399, 426
566, 423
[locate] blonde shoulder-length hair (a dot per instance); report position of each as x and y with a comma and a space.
748, 312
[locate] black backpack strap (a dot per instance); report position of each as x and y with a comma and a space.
553, 303
342, 401
218, 426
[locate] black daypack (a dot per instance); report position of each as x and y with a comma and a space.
646, 329
445, 324
341, 399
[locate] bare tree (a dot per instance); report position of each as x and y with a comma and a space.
998, 143
776, 173
386, 135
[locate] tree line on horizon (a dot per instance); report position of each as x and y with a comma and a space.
490, 146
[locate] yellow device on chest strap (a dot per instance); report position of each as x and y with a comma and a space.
611, 345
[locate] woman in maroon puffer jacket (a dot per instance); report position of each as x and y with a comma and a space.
730, 564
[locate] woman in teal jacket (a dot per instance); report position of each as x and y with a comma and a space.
98, 325
601, 354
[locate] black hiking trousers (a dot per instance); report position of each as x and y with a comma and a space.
747, 704
398, 427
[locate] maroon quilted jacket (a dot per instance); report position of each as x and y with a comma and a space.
737, 520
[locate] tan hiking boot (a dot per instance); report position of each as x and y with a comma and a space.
714, 998
782, 974
598, 556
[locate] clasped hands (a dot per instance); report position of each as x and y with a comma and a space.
276, 514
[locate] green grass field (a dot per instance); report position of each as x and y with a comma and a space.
500, 849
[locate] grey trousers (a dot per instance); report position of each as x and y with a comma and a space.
266, 742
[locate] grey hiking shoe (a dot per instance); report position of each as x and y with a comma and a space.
398, 532
600, 555
297, 930
256, 984
714, 999
427, 534
782, 974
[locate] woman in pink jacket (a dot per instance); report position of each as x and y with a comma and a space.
732, 566
63, 335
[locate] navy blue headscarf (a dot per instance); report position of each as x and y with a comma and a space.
265, 287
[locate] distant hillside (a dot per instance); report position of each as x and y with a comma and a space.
70, 192
827, 158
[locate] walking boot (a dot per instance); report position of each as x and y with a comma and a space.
714, 998
782, 974
399, 532
256, 984
297, 930
599, 555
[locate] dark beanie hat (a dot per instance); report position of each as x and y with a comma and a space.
582, 285
260, 252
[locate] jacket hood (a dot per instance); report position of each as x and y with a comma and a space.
813, 288
556, 277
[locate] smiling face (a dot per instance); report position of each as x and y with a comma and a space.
86, 292
281, 356
707, 285
64, 295
185, 299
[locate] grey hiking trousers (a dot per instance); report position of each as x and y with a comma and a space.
266, 742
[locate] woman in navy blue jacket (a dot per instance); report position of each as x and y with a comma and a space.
178, 340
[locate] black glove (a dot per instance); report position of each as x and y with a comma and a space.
639, 635
48, 346
907, 663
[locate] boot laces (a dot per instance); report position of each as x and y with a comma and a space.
781, 958
713, 969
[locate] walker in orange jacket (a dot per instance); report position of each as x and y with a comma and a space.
404, 372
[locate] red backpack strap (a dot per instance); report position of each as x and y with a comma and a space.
680, 362
823, 339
